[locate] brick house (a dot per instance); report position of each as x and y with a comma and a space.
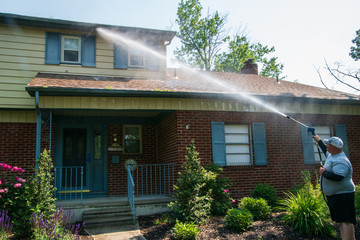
100, 103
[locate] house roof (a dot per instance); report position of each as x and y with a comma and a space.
186, 84
14, 19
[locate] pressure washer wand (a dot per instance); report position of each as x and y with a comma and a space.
297, 121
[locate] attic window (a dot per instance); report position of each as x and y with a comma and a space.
70, 49
136, 58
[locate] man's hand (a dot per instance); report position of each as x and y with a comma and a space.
322, 170
316, 138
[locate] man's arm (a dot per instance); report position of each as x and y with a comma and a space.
332, 176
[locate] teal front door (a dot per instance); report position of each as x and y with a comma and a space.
82, 159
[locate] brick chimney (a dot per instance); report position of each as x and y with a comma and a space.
250, 67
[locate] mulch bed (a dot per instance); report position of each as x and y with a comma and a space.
271, 228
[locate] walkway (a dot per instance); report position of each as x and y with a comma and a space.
116, 233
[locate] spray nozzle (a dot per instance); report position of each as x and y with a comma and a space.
312, 130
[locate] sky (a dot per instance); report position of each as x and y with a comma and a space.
304, 33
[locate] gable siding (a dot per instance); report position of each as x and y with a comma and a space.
22, 56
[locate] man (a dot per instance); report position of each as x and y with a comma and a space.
338, 186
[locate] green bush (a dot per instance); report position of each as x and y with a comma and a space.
185, 231
267, 192
357, 199
192, 199
238, 219
221, 200
307, 211
258, 207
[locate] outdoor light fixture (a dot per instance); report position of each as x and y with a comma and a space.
115, 146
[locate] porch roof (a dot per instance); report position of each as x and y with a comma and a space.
185, 84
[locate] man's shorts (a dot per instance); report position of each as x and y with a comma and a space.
342, 207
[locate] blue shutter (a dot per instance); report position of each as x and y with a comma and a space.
88, 51
120, 56
153, 61
340, 131
218, 143
260, 144
52, 48
307, 145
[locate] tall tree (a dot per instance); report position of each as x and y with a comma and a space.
346, 77
201, 38
240, 50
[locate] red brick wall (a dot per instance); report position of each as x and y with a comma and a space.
17, 145
283, 139
117, 177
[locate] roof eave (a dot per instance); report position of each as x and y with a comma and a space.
77, 92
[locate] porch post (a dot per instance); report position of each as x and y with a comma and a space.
38, 128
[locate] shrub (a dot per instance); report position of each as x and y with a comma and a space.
307, 211
5, 225
221, 200
185, 231
266, 192
357, 199
238, 219
258, 207
58, 226
192, 199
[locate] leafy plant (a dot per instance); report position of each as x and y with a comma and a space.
193, 200
5, 225
258, 207
306, 211
219, 186
267, 192
185, 231
238, 219
165, 218
357, 199
58, 226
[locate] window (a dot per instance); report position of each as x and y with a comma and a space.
232, 144
324, 133
70, 49
132, 139
237, 145
136, 58
67, 49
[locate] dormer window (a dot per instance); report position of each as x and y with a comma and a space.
136, 58
70, 49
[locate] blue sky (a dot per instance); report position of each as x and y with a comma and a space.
304, 33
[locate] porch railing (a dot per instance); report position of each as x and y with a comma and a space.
150, 179
69, 182
131, 192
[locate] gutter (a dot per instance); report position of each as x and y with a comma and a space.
91, 92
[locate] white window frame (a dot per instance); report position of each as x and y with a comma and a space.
238, 145
324, 132
133, 52
139, 139
63, 37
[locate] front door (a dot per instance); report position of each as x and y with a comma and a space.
81, 159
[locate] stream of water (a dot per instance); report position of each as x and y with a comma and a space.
206, 78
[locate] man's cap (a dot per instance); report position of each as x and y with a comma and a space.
335, 141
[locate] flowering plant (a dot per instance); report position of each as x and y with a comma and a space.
10, 180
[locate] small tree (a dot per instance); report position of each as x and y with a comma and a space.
193, 200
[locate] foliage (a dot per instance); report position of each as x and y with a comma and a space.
40, 190
201, 38
267, 192
221, 200
58, 226
165, 218
355, 51
193, 200
258, 207
238, 219
13, 198
241, 50
185, 231
357, 199
5, 225
307, 211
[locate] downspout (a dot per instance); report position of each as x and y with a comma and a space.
38, 128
